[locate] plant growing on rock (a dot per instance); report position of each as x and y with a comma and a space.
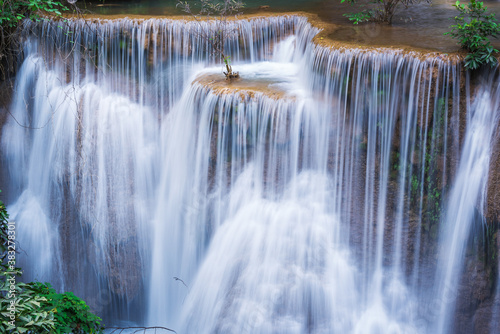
217, 11
36, 307
71, 314
12, 12
472, 29
19, 305
382, 11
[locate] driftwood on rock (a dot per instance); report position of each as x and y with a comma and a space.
233, 75
230, 74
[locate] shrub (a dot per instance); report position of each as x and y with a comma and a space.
24, 314
383, 10
71, 314
29, 317
36, 307
12, 12
472, 29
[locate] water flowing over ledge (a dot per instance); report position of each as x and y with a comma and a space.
320, 211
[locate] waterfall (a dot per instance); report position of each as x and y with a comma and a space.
466, 197
307, 201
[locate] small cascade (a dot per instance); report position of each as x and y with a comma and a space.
310, 203
78, 146
392, 133
467, 197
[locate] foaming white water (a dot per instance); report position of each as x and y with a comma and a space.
76, 148
285, 51
281, 267
39, 256
308, 213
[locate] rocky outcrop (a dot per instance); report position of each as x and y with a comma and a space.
492, 209
6, 88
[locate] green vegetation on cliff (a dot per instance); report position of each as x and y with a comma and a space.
12, 12
472, 28
36, 307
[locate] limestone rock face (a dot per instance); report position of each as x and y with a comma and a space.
474, 299
493, 202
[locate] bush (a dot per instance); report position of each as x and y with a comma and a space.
472, 29
383, 10
28, 315
71, 314
12, 12
19, 307
36, 307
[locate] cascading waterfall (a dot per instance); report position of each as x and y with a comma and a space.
163, 201
466, 197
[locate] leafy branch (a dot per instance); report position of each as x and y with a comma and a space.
12, 13
472, 28
35, 307
383, 10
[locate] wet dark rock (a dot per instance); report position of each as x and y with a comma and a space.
493, 205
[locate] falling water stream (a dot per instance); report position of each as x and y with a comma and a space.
468, 190
310, 204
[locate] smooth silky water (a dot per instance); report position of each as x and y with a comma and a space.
163, 201
421, 25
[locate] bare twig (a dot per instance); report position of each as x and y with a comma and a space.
217, 12
138, 329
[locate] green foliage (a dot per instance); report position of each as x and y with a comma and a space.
4, 238
36, 307
13, 11
19, 306
360, 17
433, 203
71, 314
29, 317
472, 29
415, 185
363, 16
396, 165
381, 10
